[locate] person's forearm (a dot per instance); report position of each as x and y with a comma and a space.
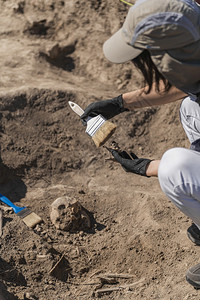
138, 98
152, 169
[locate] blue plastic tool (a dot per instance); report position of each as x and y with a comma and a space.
5, 200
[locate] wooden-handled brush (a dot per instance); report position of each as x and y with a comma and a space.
97, 127
29, 218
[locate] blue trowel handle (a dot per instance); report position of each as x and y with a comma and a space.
9, 203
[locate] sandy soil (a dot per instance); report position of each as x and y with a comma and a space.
51, 52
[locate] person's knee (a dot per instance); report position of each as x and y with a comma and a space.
172, 162
178, 176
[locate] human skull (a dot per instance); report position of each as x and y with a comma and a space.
68, 214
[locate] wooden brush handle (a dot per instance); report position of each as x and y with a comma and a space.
76, 108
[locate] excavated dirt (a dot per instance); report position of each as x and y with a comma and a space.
51, 53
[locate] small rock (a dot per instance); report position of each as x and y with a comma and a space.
29, 296
38, 228
82, 192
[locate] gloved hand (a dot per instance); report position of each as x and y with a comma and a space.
131, 163
107, 108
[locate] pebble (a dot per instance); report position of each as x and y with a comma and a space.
29, 296
42, 256
38, 228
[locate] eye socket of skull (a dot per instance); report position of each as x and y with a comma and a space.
61, 207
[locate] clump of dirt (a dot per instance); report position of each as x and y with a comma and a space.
52, 53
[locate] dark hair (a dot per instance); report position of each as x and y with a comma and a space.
144, 63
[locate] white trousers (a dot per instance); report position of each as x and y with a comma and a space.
179, 169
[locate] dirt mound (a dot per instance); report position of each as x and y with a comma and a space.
136, 245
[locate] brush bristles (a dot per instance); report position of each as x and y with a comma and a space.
29, 218
32, 220
104, 133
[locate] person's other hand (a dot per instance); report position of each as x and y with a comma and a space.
107, 108
131, 163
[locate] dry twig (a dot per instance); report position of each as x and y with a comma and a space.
125, 276
117, 288
83, 283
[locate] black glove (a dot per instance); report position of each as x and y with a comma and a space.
107, 108
131, 163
